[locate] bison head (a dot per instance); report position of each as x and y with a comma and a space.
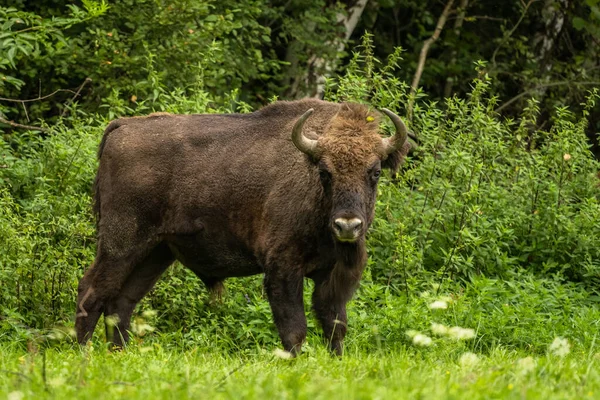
349, 156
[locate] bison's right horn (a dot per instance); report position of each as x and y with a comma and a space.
395, 142
304, 144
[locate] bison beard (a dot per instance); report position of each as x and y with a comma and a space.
237, 195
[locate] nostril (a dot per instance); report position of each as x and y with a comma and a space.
339, 225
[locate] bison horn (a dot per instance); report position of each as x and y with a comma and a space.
304, 144
395, 142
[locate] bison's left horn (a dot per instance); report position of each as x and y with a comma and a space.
395, 142
304, 144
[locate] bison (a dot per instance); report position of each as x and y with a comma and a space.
287, 191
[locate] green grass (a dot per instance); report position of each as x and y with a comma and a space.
153, 371
230, 353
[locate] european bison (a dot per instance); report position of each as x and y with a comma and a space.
288, 191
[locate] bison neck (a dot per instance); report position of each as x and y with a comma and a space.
351, 255
343, 279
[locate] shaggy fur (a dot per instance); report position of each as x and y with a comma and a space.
230, 195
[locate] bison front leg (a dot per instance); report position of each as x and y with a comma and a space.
331, 313
284, 292
332, 291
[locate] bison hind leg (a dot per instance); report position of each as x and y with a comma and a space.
139, 282
102, 281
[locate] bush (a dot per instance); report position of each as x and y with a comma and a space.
480, 196
177, 45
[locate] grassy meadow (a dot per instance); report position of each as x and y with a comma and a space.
494, 339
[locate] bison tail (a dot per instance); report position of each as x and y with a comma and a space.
111, 127
96, 204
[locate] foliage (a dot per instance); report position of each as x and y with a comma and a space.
46, 226
176, 45
545, 49
25, 35
264, 48
480, 196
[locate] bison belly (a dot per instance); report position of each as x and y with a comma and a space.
214, 256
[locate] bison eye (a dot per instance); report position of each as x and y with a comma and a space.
376, 174
324, 174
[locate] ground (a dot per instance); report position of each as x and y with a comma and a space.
162, 370
524, 338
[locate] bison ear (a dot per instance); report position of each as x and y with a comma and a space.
396, 158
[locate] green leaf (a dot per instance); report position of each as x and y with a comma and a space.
11, 55
579, 23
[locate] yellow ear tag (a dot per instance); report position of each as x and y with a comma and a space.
370, 119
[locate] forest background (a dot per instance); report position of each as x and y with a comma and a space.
493, 219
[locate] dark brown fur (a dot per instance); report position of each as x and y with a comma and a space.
230, 195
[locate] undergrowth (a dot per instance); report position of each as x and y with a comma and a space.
491, 213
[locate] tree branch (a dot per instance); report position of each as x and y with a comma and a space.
486, 17
423, 56
457, 26
547, 85
85, 82
37, 98
510, 33
30, 127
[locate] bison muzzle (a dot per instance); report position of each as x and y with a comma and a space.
288, 191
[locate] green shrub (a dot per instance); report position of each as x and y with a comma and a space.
176, 45
480, 200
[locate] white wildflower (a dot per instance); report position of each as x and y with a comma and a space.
526, 365
447, 299
560, 347
56, 334
112, 320
421, 340
16, 395
438, 305
468, 360
149, 313
411, 333
285, 355
140, 328
458, 333
439, 329
57, 381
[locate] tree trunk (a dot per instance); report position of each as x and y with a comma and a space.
423, 56
457, 28
318, 68
553, 17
